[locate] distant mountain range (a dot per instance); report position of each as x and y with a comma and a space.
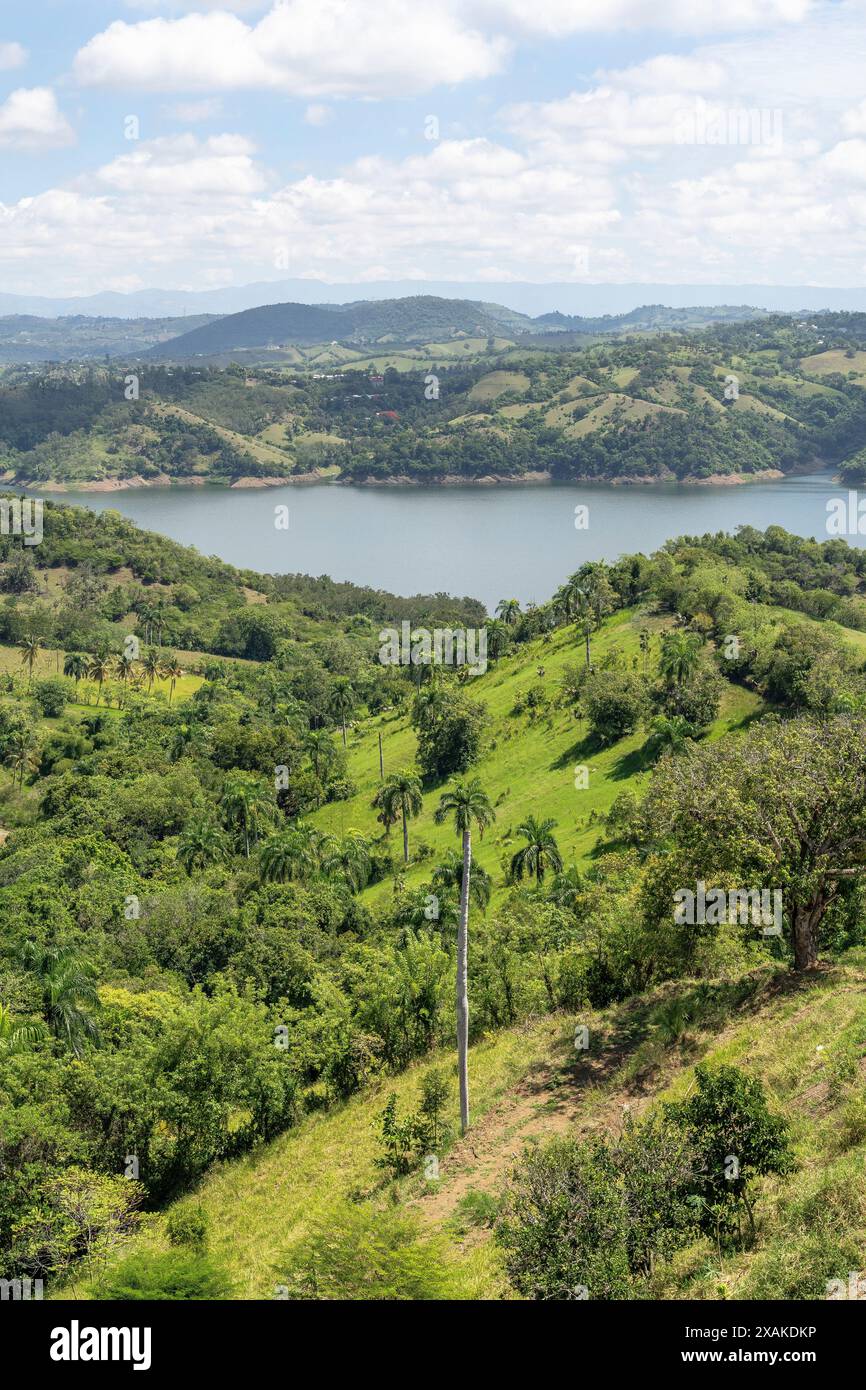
567, 297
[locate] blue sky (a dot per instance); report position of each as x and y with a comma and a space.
600, 140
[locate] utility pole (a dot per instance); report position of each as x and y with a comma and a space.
381, 759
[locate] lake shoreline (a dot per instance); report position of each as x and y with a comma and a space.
444, 481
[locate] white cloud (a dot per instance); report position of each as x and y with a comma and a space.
31, 119
181, 167
12, 55
559, 17
309, 48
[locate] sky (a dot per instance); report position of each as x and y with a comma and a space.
189, 145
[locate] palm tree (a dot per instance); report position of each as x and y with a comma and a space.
21, 753
125, 669
290, 854
645, 639
152, 666
68, 992
673, 733
247, 807
586, 633
498, 638
15, 1036
99, 669
31, 646
449, 874
540, 851
469, 804
202, 843
567, 887
342, 702
172, 670
679, 656
320, 747
349, 856
401, 793
75, 665
508, 610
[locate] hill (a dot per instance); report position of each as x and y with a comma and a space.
734, 400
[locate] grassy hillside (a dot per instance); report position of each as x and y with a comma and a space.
806, 1040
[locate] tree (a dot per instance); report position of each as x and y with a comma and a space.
173, 671
614, 702
585, 631
31, 646
202, 843
247, 807
320, 747
349, 856
449, 874
401, 794
342, 702
735, 1138
21, 753
469, 805
679, 657
673, 733
290, 854
498, 638
151, 665
17, 1036
68, 993
99, 669
540, 851
75, 665
508, 610
781, 807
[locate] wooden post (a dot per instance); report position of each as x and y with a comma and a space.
381, 759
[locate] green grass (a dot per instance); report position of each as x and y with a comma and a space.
529, 764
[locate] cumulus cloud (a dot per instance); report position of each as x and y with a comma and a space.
30, 119
559, 17
310, 48
182, 167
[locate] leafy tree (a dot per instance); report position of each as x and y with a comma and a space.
202, 843
615, 703
680, 653
69, 994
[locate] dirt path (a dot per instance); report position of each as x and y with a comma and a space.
562, 1095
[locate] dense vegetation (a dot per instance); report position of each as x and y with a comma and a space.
208, 928
735, 398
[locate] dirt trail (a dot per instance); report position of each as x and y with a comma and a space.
552, 1098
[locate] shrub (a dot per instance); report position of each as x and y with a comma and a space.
188, 1225
362, 1254
52, 695
176, 1275
615, 703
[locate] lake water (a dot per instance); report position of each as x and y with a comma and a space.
490, 543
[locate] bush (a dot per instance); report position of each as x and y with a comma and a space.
615, 703
188, 1225
362, 1254
176, 1276
52, 695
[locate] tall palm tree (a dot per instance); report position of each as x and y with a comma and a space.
342, 702
75, 665
498, 638
401, 793
585, 630
172, 670
508, 610
320, 747
290, 854
469, 805
151, 664
350, 857
540, 852
645, 639
99, 669
31, 646
679, 656
247, 808
203, 842
69, 993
